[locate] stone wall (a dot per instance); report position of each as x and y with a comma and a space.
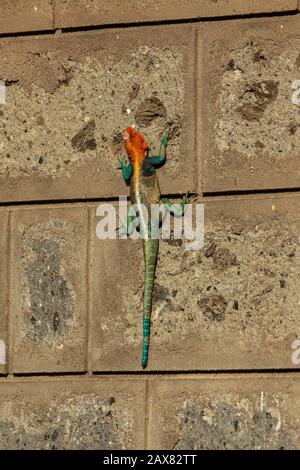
225, 350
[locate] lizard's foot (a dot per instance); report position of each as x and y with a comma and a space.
122, 161
165, 138
128, 226
177, 209
186, 199
127, 170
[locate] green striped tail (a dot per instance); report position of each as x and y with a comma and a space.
150, 255
146, 329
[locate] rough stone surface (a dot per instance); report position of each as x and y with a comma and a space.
73, 303
32, 15
69, 97
248, 119
48, 297
231, 305
4, 287
75, 414
92, 12
39, 15
225, 413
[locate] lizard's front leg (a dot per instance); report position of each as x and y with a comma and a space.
161, 157
127, 170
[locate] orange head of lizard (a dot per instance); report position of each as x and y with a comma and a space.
135, 145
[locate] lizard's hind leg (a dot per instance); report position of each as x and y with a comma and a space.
131, 224
179, 209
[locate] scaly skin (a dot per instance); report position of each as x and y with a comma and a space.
144, 191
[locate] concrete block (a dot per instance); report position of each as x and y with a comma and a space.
48, 298
234, 304
228, 412
249, 104
69, 97
97, 12
32, 15
4, 259
99, 414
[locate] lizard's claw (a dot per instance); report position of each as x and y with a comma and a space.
185, 199
188, 197
122, 161
184, 202
165, 138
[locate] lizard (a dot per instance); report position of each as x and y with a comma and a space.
140, 174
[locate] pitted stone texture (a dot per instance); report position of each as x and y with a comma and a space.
93, 12
32, 15
261, 412
231, 305
48, 296
263, 429
74, 414
250, 118
51, 297
69, 97
4, 258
